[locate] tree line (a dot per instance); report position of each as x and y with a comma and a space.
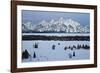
62, 38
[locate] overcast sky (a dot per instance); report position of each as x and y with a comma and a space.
37, 16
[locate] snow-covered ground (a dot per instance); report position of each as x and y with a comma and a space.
58, 34
44, 52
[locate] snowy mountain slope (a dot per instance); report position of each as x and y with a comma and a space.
60, 25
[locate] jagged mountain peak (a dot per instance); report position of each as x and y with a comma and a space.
60, 25
43, 22
52, 21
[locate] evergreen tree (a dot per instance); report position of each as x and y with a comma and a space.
71, 48
78, 46
87, 47
58, 43
34, 55
70, 55
65, 48
25, 54
74, 46
74, 53
53, 47
36, 45
83, 46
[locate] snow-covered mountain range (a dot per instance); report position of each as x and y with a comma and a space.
61, 25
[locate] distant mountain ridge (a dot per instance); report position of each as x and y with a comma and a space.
55, 26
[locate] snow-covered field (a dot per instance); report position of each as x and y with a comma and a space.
45, 52
58, 34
